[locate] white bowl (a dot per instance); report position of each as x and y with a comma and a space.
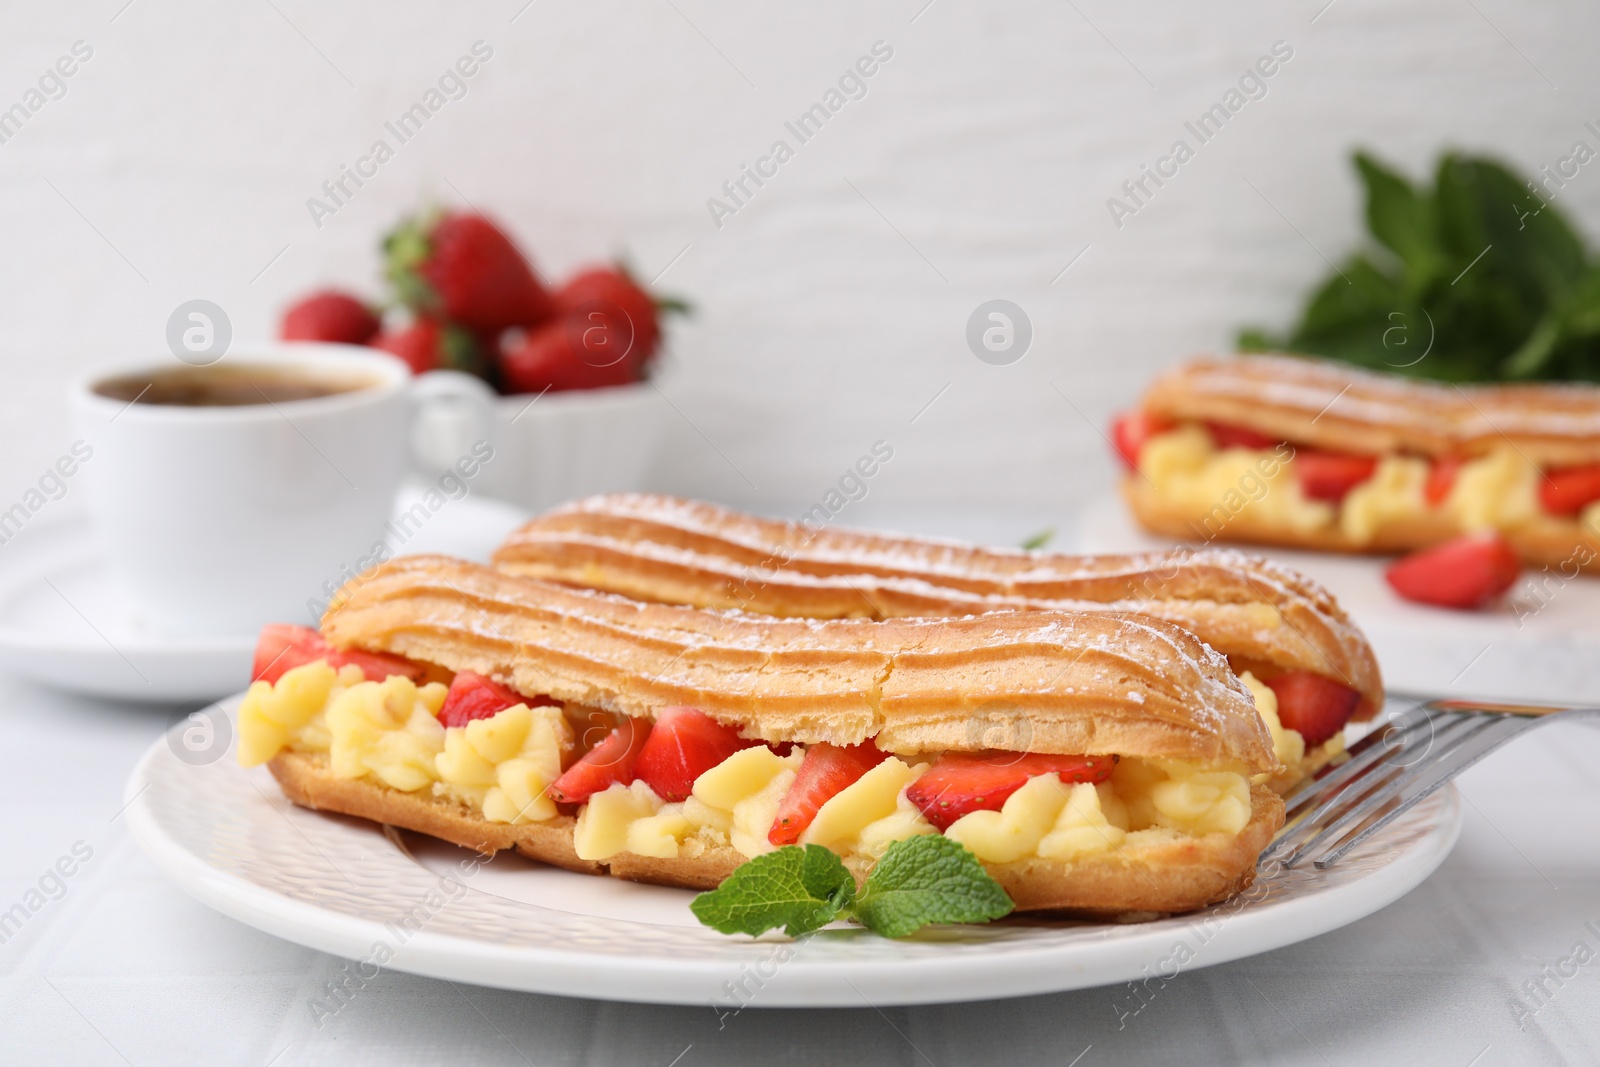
560, 446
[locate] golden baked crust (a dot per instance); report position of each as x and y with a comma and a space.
1264, 617
1160, 877
308, 780
1347, 409
1054, 681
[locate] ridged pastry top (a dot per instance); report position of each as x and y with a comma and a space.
665, 549
1337, 406
1049, 681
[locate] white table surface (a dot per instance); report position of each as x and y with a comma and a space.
125, 968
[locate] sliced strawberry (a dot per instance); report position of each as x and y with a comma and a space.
613, 761
1331, 475
1569, 491
1312, 706
472, 696
825, 770
1466, 572
683, 744
1441, 479
1132, 429
1226, 435
282, 647
962, 782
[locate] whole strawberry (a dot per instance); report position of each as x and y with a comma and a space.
329, 315
567, 354
428, 344
609, 292
460, 267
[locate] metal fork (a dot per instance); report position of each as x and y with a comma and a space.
1395, 767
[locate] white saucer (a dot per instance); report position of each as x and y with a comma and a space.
1542, 646
397, 900
65, 624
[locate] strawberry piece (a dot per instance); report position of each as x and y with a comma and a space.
571, 353
614, 760
683, 744
1132, 429
825, 770
472, 696
1441, 479
464, 269
613, 292
329, 315
428, 344
1570, 490
1314, 707
1331, 475
1465, 572
963, 782
1226, 435
282, 647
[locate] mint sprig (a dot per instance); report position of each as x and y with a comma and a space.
921, 880
1476, 276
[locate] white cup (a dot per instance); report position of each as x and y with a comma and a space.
216, 520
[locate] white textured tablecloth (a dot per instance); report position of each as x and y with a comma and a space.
125, 968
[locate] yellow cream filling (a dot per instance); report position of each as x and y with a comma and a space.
1218, 485
390, 731
1215, 486
1394, 493
273, 716
505, 763
871, 813
1499, 491
503, 766
1287, 745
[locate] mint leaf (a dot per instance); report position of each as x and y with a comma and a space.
799, 889
1400, 218
928, 879
1040, 539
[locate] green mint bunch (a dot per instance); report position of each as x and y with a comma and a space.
1478, 278
921, 880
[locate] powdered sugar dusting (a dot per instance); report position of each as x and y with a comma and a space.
1431, 409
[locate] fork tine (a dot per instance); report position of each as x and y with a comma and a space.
1330, 821
1363, 754
1343, 800
1368, 794
1338, 788
1446, 768
1485, 735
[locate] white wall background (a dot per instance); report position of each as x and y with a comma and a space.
179, 162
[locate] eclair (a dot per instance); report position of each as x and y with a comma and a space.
1309, 666
1320, 455
1097, 763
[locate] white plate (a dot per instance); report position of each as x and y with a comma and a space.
1542, 645
345, 886
65, 624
